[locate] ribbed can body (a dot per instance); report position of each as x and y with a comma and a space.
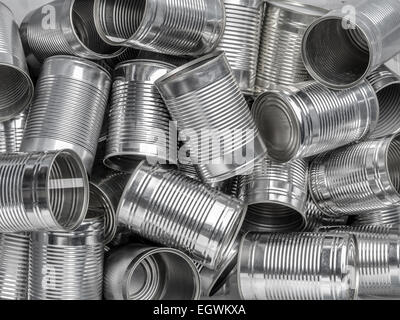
138, 127
204, 99
385, 217
316, 219
303, 266
276, 194
166, 207
176, 27
387, 87
68, 109
358, 179
16, 88
241, 40
42, 191
280, 61
63, 27
379, 258
317, 119
68, 265
11, 133
369, 34
138, 272
14, 266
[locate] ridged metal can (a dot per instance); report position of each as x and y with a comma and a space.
11, 133
316, 219
139, 121
379, 258
303, 266
276, 195
68, 110
16, 91
241, 40
68, 265
368, 34
358, 179
387, 87
14, 266
64, 28
42, 191
308, 119
138, 272
280, 61
163, 206
385, 217
180, 27
204, 99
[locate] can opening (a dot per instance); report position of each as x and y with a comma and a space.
336, 54
16, 92
393, 163
389, 111
120, 19
273, 217
85, 28
163, 275
67, 191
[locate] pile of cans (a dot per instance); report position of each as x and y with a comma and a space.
187, 149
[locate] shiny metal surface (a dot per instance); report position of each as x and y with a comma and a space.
68, 109
163, 206
138, 127
11, 133
316, 219
180, 27
42, 191
14, 266
280, 61
276, 194
16, 86
361, 178
68, 265
309, 119
385, 217
205, 100
387, 87
72, 32
340, 51
137, 272
307, 266
241, 40
379, 258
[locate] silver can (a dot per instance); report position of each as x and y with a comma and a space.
16, 88
138, 272
165, 207
68, 109
276, 195
304, 266
14, 266
369, 35
241, 40
358, 179
309, 119
42, 191
280, 61
387, 87
64, 27
68, 265
139, 121
205, 100
181, 27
